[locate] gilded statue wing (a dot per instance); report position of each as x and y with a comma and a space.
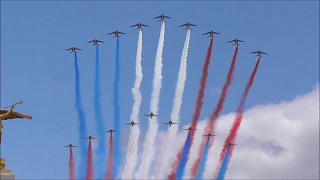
14, 115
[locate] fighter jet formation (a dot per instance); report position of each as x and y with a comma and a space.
139, 26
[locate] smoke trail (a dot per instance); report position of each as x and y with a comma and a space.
237, 122
203, 160
101, 150
199, 104
72, 173
148, 150
132, 151
110, 160
172, 131
211, 123
117, 148
89, 170
184, 158
81, 118
224, 166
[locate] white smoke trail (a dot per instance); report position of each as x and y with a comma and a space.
172, 131
148, 147
132, 150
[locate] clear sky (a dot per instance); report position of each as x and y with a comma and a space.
35, 67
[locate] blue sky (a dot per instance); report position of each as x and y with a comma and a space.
35, 67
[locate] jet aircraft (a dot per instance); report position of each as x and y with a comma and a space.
162, 17
259, 53
132, 123
151, 115
188, 25
95, 42
236, 41
111, 131
70, 146
211, 33
189, 129
139, 26
73, 49
229, 144
116, 33
170, 123
90, 137
209, 135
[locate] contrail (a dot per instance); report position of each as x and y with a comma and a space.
101, 150
210, 127
110, 161
148, 147
89, 170
172, 131
81, 118
116, 96
238, 119
224, 166
72, 173
132, 150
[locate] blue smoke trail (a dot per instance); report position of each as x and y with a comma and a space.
203, 160
184, 158
82, 121
101, 150
224, 166
117, 149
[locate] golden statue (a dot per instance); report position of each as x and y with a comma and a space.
9, 115
2, 163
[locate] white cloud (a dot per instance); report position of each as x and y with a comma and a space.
275, 141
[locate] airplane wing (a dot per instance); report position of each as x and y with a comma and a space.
264, 53
147, 115
165, 123
100, 41
121, 33
240, 40
183, 25
78, 49
68, 49
206, 33
155, 115
255, 52
90, 41
157, 17
231, 41
136, 123
128, 124
193, 25
112, 33
134, 25
167, 17
144, 25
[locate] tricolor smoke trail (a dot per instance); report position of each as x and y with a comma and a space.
116, 95
172, 131
184, 158
81, 118
199, 104
72, 173
203, 160
89, 170
148, 147
110, 162
237, 122
101, 150
224, 166
132, 151
211, 122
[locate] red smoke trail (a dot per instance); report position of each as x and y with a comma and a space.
211, 123
237, 122
197, 112
72, 173
89, 170
110, 160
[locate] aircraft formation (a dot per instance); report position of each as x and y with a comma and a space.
139, 26
162, 17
